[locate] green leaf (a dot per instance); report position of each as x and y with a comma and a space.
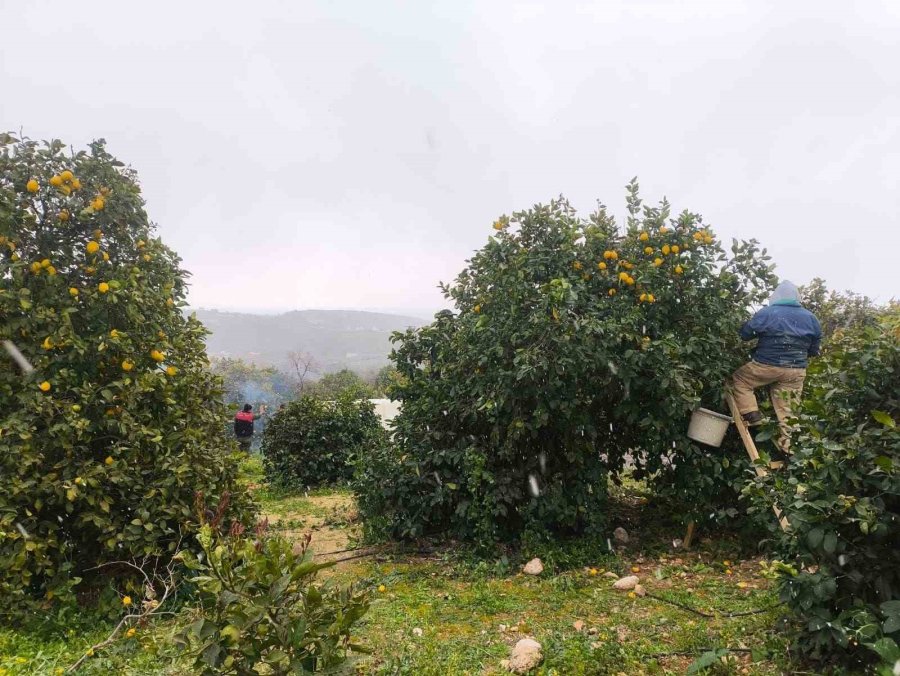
884, 418
814, 538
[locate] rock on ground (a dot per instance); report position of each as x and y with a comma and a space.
620, 535
611, 575
639, 590
626, 583
533, 567
525, 656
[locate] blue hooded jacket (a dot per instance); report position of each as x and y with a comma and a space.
788, 333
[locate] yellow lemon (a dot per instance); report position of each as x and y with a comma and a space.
476, 309
66, 175
65, 190
36, 267
726, 563
651, 298
98, 203
623, 276
498, 225
675, 249
45, 263
592, 572
127, 365
635, 569
103, 287
47, 344
76, 184
666, 249
632, 595
32, 186
79, 481
171, 370
130, 633
63, 215
51, 271
45, 386
611, 292
648, 250
698, 236
109, 460
147, 258
105, 256
56, 181
630, 281
644, 237
663, 230
728, 572
601, 265
657, 262
76, 407
126, 600
141, 244
742, 585
678, 269
90, 269
92, 247
643, 297
576, 265
89, 652
382, 588
157, 356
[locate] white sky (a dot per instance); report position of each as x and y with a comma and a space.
353, 154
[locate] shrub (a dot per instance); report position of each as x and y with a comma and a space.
312, 442
105, 443
842, 498
574, 345
261, 611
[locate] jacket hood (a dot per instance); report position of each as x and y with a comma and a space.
786, 293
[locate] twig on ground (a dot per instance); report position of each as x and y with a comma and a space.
150, 605
716, 613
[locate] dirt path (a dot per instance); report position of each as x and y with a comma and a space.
330, 519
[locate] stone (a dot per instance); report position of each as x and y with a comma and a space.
639, 590
578, 625
611, 575
626, 583
525, 656
620, 535
533, 567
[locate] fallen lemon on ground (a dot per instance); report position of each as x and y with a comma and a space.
45, 386
382, 588
131, 632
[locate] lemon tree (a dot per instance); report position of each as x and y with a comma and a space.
577, 347
108, 442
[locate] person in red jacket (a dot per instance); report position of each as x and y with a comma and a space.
243, 426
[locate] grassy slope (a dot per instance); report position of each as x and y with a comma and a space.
461, 607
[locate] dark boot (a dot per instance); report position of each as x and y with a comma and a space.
753, 418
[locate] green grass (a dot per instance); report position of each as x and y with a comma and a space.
461, 603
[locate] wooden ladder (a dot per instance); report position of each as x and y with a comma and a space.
750, 446
747, 438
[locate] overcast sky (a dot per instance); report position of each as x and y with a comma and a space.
353, 154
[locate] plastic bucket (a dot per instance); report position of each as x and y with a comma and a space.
708, 427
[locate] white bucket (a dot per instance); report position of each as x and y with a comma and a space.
708, 427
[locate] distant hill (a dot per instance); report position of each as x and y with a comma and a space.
336, 338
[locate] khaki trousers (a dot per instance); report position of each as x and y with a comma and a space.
785, 388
